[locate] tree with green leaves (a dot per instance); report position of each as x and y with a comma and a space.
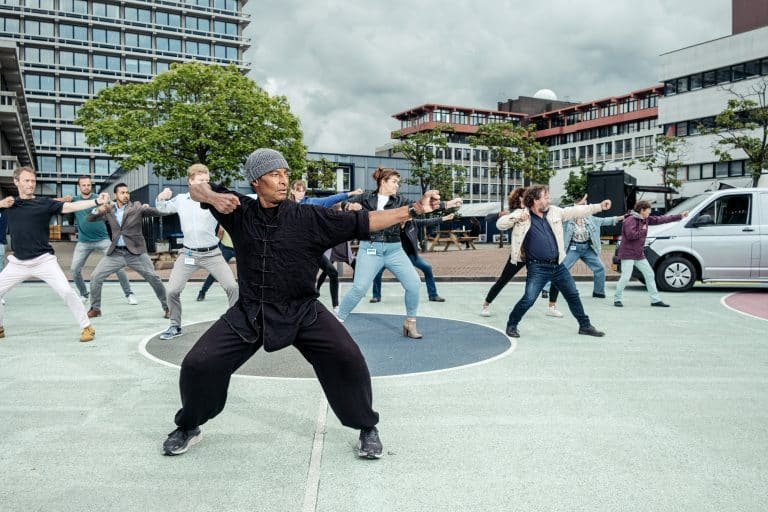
426, 172
320, 174
668, 157
576, 184
192, 113
514, 148
744, 125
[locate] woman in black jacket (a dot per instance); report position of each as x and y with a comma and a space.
383, 249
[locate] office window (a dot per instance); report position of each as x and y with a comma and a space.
196, 48
736, 168
162, 66
41, 109
38, 28
721, 169
101, 35
44, 137
77, 32
76, 6
38, 55
104, 167
106, 62
707, 171
226, 5
752, 69
105, 11
738, 72
9, 25
764, 67
168, 44
73, 139
224, 28
709, 78
40, 4
696, 81
39, 82
681, 129
138, 66
142, 15
68, 111
167, 19
73, 59
98, 85
723, 75
195, 23
46, 164
133, 40
225, 52
694, 172
73, 85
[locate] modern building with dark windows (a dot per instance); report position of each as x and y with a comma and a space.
610, 133
16, 146
482, 182
72, 49
698, 82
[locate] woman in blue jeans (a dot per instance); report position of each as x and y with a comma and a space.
383, 249
410, 241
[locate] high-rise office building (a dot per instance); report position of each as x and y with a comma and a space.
72, 49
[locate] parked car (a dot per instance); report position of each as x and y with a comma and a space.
724, 238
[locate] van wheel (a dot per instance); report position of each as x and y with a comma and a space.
675, 274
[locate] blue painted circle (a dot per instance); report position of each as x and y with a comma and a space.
446, 344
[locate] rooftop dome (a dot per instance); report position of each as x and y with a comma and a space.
545, 94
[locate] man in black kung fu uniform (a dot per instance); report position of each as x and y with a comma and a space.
281, 243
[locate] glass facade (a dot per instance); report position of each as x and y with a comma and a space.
72, 49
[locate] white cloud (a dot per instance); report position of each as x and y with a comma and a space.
347, 66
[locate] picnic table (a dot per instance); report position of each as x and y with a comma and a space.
446, 237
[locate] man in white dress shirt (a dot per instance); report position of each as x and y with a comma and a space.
200, 249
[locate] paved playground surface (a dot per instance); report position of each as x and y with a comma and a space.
667, 412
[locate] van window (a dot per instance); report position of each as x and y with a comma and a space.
730, 210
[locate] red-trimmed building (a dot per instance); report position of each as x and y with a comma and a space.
611, 131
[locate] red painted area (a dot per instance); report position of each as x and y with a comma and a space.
752, 303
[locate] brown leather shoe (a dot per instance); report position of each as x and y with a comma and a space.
93, 313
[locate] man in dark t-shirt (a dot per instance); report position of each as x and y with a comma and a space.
28, 217
278, 303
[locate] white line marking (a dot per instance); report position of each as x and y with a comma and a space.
723, 299
313, 475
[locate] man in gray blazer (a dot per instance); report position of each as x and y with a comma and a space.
128, 248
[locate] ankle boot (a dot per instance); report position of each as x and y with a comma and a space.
409, 329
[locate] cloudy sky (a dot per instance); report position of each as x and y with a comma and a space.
347, 65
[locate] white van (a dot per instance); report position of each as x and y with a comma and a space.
724, 238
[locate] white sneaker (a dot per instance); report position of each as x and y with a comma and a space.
336, 311
552, 311
485, 311
132, 300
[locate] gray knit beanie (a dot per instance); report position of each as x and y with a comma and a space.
262, 161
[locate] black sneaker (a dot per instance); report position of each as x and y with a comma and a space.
369, 446
180, 440
618, 304
591, 331
544, 294
437, 298
598, 295
659, 304
512, 332
200, 296
375, 299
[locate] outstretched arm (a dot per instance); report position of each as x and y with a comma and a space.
222, 202
382, 219
85, 204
